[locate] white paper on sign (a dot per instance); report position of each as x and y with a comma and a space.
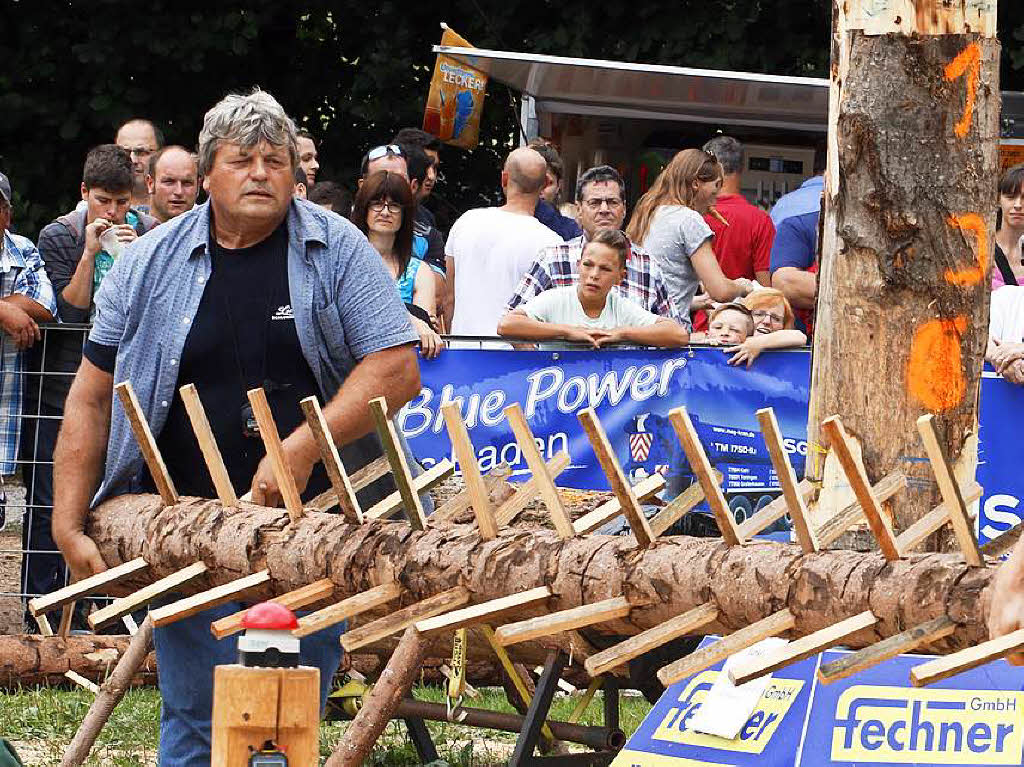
727, 707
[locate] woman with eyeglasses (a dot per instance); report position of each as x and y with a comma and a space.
669, 223
384, 210
774, 326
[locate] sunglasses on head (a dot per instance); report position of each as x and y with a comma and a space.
384, 149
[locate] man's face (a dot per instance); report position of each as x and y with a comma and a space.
601, 207
105, 203
139, 141
600, 271
175, 185
254, 183
308, 159
729, 327
389, 162
428, 183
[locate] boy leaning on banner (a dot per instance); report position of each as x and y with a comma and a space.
589, 312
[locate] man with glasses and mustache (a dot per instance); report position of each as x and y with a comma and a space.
140, 138
601, 194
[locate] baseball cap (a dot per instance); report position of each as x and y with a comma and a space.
5, 188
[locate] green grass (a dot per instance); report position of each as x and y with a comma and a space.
45, 720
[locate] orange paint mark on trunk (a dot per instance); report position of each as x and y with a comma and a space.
967, 61
975, 224
935, 373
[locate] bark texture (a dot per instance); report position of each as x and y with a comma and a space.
747, 583
906, 240
28, 661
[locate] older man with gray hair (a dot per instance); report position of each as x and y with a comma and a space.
254, 288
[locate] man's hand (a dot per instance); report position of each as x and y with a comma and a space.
1014, 372
1006, 354
81, 554
93, 232
265, 490
15, 322
1006, 604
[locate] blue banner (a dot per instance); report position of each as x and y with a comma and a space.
998, 473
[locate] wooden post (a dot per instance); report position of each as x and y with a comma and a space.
404, 618
528, 490
145, 595
147, 444
399, 466
545, 483
787, 480
479, 498
909, 217
208, 446
908, 641
347, 608
275, 451
336, 473
218, 595
564, 620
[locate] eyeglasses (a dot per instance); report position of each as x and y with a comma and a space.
378, 206
384, 149
761, 314
595, 203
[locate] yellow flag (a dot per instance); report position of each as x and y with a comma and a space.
456, 98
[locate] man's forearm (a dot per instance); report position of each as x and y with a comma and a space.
78, 461
78, 292
667, 334
798, 286
518, 325
35, 310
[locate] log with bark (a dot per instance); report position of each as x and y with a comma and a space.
747, 583
28, 661
906, 238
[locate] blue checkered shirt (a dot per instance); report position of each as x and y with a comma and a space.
21, 273
557, 267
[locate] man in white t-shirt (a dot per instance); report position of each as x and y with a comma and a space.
490, 249
590, 312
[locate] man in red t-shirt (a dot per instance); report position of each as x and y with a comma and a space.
744, 247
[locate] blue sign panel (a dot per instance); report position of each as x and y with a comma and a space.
1002, 404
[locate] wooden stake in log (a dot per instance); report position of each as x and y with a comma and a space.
613, 471
109, 695
858, 479
399, 466
805, 647
787, 480
485, 612
86, 586
573, 618
208, 446
480, 499
379, 705
150, 452
275, 452
773, 625
883, 490
916, 534
772, 511
494, 481
679, 506
340, 482
528, 490
951, 665
218, 595
428, 480
609, 510
959, 518
688, 623
908, 641
293, 600
347, 608
145, 595
698, 459
404, 618
545, 484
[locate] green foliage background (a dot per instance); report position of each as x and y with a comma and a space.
351, 72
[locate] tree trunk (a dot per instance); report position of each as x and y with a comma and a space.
672, 576
907, 234
27, 661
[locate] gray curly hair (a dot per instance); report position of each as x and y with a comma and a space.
246, 120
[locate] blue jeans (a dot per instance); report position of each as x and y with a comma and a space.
186, 654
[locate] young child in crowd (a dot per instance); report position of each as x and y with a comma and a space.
730, 324
589, 313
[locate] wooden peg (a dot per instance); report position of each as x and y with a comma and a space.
399, 466
147, 444
484, 612
80, 680
858, 479
86, 586
801, 648
787, 480
959, 518
461, 501
429, 479
774, 510
701, 466
972, 657
914, 535
208, 446
564, 620
773, 625
545, 484
883, 490
609, 510
678, 507
370, 473
66, 614
145, 595
907, 641
688, 623
616, 478
340, 483
44, 625
304, 596
512, 673
1003, 542
218, 595
347, 608
275, 451
479, 498
528, 490
404, 618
